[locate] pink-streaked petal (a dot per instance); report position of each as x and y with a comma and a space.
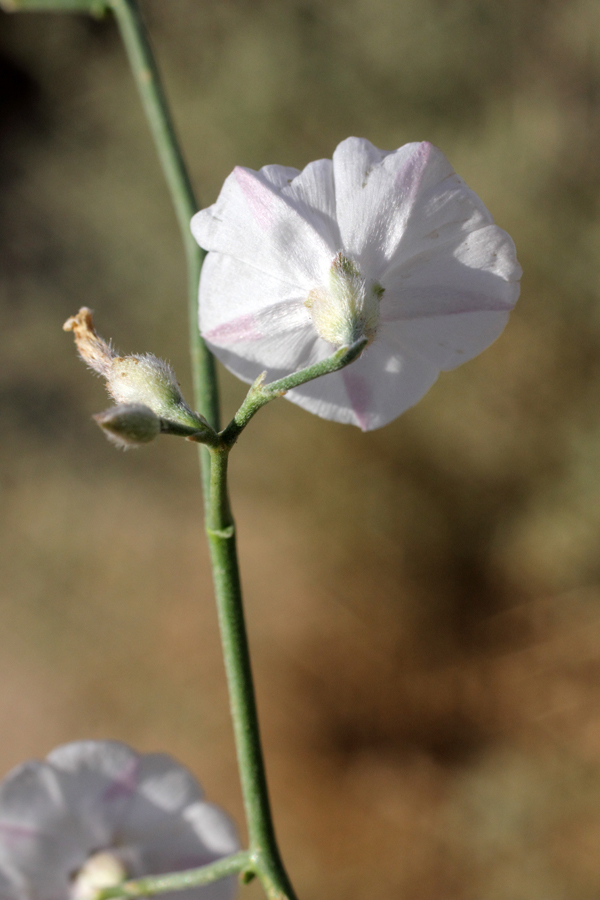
232, 293
99, 780
442, 213
392, 206
226, 327
39, 840
124, 784
480, 273
374, 390
292, 349
32, 804
258, 223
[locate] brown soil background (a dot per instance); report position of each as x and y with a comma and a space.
423, 601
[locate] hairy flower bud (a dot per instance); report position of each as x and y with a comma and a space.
129, 425
348, 309
143, 386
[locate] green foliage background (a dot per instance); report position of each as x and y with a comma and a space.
423, 601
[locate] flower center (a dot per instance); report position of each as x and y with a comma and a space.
348, 309
102, 870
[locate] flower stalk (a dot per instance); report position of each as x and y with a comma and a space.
179, 881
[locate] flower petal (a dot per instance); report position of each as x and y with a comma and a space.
166, 784
424, 245
448, 341
245, 329
391, 206
164, 790
480, 272
40, 842
199, 835
262, 221
385, 382
231, 290
99, 781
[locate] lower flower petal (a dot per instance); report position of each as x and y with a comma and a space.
448, 341
378, 387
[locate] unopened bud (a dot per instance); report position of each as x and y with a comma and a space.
129, 425
136, 383
151, 382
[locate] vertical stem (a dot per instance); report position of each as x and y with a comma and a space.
221, 538
220, 526
143, 65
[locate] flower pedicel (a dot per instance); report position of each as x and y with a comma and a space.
393, 247
95, 813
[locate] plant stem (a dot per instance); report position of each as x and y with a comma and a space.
264, 853
178, 881
143, 65
221, 539
261, 393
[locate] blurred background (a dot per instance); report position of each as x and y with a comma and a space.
424, 600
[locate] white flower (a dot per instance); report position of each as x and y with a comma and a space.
391, 246
95, 812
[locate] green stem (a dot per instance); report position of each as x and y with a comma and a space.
179, 881
260, 393
143, 65
221, 538
220, 527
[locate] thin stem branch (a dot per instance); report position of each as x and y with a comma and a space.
261, 393
179, 881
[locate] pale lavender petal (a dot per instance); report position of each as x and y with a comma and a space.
199, 835
99, 780
374, 390
249, 334
165, 789
232, 293
213, 828
166, 783
260, 223
40, 841
480, 272
392, 206
448, 341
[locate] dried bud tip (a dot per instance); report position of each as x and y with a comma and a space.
92, 348
129, 425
